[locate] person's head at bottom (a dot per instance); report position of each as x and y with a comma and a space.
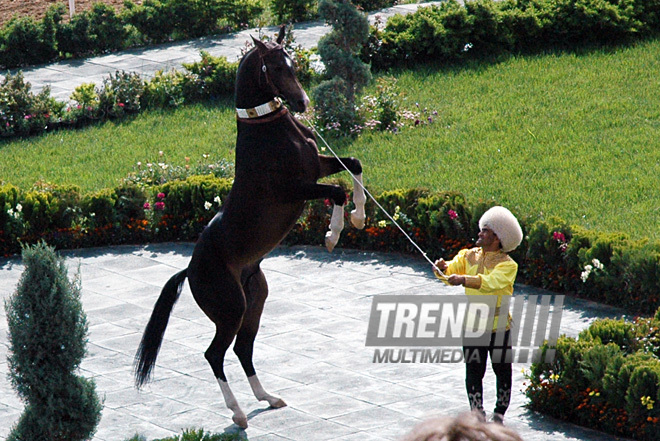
464, 427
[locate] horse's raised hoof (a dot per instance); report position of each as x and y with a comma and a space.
331, 241
357, 220
240, 421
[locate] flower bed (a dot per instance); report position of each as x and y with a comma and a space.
607, 379
608, 268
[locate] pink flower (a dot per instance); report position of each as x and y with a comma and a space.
160, 195
120, 104
452, 214
559, 237
159, 206
147, 206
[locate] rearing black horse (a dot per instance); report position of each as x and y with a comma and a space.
277, 168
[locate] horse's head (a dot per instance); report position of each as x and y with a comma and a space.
276, 74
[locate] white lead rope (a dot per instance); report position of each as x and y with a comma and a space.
442, 275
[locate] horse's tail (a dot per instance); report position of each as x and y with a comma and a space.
153, 334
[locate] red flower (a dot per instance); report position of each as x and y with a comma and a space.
452, 214
159, 205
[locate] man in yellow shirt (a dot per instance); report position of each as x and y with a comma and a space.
487, 269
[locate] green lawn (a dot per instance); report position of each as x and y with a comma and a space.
574, 136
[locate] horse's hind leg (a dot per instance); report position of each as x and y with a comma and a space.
256, 291
221, 298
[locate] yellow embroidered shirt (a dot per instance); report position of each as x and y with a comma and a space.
486, 273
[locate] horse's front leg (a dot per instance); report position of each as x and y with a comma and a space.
330, 166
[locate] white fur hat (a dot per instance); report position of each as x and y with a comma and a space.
505, 225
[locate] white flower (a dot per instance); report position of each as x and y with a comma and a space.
597, 264
207, 205
584, 276
19, 207
217, 200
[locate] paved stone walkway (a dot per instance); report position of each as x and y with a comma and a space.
310, 350
65, 76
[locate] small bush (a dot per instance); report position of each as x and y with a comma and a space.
47, 337
106, 28
75, 38
153, 18
121, 93
23, 41
293, 10
21, 111
214, 77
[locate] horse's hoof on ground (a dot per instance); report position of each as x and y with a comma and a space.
277, 403
240, 421
357, 221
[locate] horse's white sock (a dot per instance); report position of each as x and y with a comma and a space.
230, 400
336, 225
262, 395
359, 198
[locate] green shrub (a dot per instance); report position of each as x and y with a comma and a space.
293, 10
48, 208
153, 18
106, 28
373, 5
214, 76
166, 89
605, 331
21, 111
242, 13
187, 206
194, 18
121, 93
451, 31
75, 38
100, 206
47, 338
611, 387
339, 50
23, 41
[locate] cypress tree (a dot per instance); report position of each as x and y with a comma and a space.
335, 98
47, 342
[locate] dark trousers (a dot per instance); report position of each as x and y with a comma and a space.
475, 368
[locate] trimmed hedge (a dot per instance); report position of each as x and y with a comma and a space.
608, 268
607, 379
25, 41
452, 32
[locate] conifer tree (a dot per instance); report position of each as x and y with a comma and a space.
47, 342
339, 50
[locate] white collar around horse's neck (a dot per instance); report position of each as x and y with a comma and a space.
255, 112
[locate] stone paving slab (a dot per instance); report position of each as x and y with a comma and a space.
310, 350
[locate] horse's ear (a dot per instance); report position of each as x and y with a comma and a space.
280, 36
261, 47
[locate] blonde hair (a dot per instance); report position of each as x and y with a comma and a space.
465, 427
